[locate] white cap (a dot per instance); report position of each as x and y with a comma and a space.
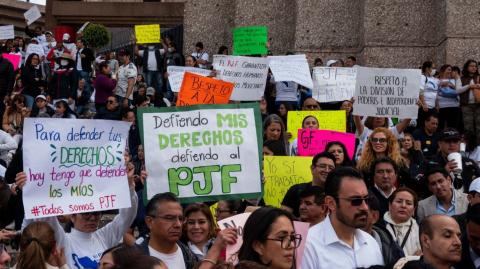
331, 62
475, 185
66, 36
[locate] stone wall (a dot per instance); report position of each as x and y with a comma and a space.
395, 33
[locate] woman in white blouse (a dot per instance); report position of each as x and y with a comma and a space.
399, 220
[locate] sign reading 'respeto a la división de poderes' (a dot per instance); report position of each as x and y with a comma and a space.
203, 153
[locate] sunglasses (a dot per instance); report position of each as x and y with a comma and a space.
378, 140
357, 201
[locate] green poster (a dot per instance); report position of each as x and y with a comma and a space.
250, 40
204, 152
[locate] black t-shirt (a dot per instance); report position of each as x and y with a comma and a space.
292, 197
429, 143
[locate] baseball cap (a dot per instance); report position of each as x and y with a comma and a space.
150, 91
331, 62
449, 134
475, 185
41, 96
66, 37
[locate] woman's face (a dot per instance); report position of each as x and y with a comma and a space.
112, 55
189, 62
347, 106
139, 78
337, 151
378, 122
379, 142
310, 123
19, 83
106, 262
271, 251
282, 110
197, 228
60, 109
140, 152
402, 207
222, 211
19, 103
447, 73
407, 142
35, 60
273, 131
472, 68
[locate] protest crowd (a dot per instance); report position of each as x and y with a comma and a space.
345, 176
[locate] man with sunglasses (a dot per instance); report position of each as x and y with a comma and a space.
449, 142
338, 241
112, 110
86, 242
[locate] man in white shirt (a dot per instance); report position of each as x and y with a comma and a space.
201, 55
337, 242
127, 73
152, 57
164, 218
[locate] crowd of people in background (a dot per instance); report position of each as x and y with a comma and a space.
400, 202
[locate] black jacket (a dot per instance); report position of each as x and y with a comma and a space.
466, 262
32, 81
391, 251
157, 56
87, 61
188, 257
7, 77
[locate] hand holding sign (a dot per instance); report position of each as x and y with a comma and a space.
237, 222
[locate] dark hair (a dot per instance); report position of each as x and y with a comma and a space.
140, 99
465, 72
373, 203
404, 189
324, 154
316, 191
335, 178
346, 158
317, 60
425, 65
369, 122
256, 228
431, 115
274, 118
233, 205
434, 170
276, 146
222, 49
426, 227
352, 58
309, 116
473, 214
140, 262
444, 68
157, 199
205, 210
28, 62
384, 160
68, 110
123, 254
456, 69
102, 65
199, 45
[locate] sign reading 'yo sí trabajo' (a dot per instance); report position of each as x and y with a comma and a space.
202, 153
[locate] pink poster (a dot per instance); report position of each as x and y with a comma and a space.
301, 228
13, 58
311, 142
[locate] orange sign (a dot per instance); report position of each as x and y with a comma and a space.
198, 90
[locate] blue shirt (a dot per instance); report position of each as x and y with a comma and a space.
451, 210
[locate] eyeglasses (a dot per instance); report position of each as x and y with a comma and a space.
357, 201
170, 218
287, 240
325, 166
378, 140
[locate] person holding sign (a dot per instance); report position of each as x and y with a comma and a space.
269, 238
201, 55
309, 122
322, 164
84, 245
274, 129
339, 150
152, 56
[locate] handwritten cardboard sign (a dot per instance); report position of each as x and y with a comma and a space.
334, 120
291, 68
6, 32
15, 59
176, 73
250, 40
238, 222
203, 153
74, 166
249, 74
147, 33
282, 172
197, 90
32, 14
333, 83
385, 92
312, 142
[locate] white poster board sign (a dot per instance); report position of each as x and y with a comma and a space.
237, 222
202, 153
6, 32
249, 74
32, 14
385, 92
333, 84
175, 75
74, 166
291, 68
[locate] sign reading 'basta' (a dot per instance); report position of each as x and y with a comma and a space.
203, 153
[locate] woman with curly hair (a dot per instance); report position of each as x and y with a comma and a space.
381, 143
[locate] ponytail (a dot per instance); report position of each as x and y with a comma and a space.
36, 246
32, 256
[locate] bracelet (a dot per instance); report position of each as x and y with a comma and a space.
210, 261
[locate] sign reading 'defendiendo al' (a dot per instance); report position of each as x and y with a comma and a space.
204, 152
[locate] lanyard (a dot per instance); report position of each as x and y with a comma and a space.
406, 235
